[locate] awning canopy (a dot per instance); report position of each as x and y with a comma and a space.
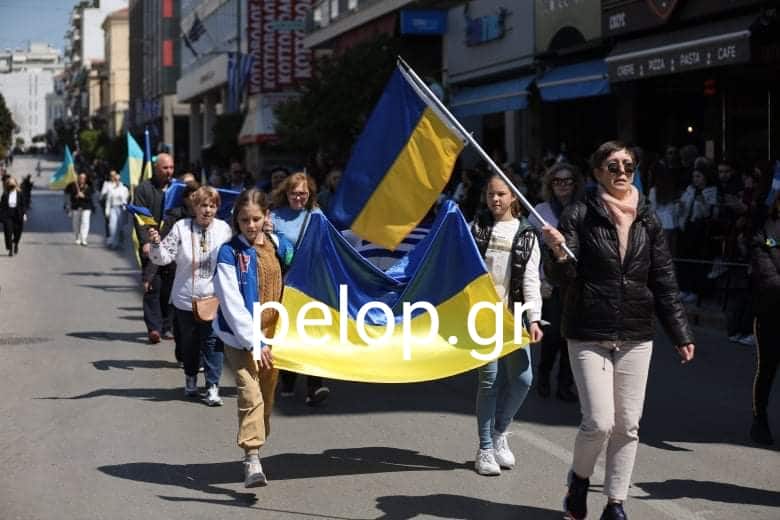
711, 45
585, 79
492, 98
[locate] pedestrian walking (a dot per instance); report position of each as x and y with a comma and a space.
508, 243
562, 186
249, 271
157, 282
292, 203
622, 274
765, 284
115, 196
193, 243
79, 206
13, 214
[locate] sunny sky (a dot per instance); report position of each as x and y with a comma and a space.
38, 20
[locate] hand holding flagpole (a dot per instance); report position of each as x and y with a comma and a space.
420, 84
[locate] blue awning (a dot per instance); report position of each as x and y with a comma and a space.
589, 78
492, 98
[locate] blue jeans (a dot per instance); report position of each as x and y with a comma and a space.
503, 385
199, 338
114, 226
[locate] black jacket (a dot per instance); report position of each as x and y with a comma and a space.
16, 213
765, 274
607, 299
522, 246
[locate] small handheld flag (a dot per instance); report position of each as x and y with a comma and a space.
142, 215
65, 174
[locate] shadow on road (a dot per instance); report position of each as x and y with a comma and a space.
713, 491
147, 394
130, 337
357, 461
456, 507
92, 274
132, 364
111, 288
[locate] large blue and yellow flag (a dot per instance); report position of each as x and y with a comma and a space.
65, 174
445, 270
399, 165
131, 171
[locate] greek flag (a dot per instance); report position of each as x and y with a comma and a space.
239, 66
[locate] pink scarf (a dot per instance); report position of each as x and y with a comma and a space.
622, 213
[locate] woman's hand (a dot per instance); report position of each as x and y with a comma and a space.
554, 240
686, 352
268, 225
266, 358
154, 236
536, 332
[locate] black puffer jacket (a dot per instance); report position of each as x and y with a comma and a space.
522, 246
609, 300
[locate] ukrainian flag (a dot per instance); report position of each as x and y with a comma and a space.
173, 199
131, 171
142, 215
399, 165
444, 269
65, 174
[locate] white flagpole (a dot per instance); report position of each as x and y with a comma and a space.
419, 83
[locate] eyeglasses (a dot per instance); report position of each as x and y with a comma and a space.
566, 181
613, 167
299, 194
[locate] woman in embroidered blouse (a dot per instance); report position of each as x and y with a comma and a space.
193, 244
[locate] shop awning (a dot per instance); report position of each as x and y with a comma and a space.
579, 80
492, 98
711, 45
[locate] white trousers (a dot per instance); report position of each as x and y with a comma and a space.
611, 379
81, 223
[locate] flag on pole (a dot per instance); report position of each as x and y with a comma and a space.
399, 165
65, 174
131, 171
173, 199
142, 215
147, 173
239, 67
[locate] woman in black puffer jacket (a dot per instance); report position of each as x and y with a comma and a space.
623, 273
765, 274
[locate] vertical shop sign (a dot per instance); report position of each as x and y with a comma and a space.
275, 32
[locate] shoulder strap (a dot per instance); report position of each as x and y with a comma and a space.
192, 243
303, 229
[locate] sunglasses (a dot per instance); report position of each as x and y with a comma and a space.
568, 181
613, 167
299, 194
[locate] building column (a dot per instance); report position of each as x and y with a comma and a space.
513, 136
167, 121
196, 131
209, 119
626, 95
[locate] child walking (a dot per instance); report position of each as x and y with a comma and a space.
510, 248
249, 270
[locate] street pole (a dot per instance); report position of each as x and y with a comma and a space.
419, 83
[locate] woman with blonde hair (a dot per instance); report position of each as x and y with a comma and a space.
292, 203
193, 243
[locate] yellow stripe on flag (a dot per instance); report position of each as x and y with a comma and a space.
412, 184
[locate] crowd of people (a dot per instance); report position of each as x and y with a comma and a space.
640, 227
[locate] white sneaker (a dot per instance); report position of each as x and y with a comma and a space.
190, 386
485, 463
212, 396
253, 472
503, 455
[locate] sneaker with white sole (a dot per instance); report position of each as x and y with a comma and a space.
503, 455
212, 396
253, 472
191, 386
485, 463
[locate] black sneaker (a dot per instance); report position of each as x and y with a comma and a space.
760, 432
575, 504
614, 511
317, 396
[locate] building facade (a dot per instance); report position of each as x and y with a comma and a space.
115, 84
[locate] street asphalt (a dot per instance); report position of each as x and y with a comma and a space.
94, 423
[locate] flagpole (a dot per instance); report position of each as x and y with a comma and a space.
473, 142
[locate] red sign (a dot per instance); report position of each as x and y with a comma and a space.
275, 32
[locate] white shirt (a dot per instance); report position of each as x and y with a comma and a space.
12, 199
116, 195
177, 247
498, 261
